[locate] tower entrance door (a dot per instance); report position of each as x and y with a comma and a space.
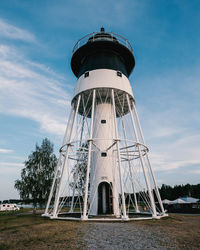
105, 199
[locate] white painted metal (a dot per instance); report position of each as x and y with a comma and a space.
149, 163
142, 161
85, 216
130, 170
103, 169
57, 197
103, 78
117, 160
124, 216
58, 164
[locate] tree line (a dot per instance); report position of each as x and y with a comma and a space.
172, 193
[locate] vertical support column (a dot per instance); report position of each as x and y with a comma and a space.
124, 217
58, 164
130, 170
76, 173
85, 216
154, 214
147, 157
66, 161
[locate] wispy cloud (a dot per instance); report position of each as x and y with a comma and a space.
33, 91
11, 164
170, 121
10, 170
30, 89
180, 153
196, 171
13, 32
5, 151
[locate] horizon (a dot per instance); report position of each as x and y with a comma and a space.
28, 201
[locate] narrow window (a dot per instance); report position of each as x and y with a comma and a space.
86, 74
103, 121
119, 74
103, 154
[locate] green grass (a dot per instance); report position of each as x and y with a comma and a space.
29, 231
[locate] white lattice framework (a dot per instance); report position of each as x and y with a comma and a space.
138, 195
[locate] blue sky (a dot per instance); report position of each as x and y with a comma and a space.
36, 82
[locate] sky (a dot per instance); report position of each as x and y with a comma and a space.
36, 81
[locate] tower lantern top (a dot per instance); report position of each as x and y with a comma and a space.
104, 36
101, 43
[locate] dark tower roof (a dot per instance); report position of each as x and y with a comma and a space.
102, 50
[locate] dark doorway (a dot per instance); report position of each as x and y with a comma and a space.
105, 201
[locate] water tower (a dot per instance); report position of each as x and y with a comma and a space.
103, 172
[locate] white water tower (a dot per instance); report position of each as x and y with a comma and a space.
104, 172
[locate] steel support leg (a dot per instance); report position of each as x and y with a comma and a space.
58, 164
147, 157
124, 217
85, 215
154, 214
66, 161
130, 170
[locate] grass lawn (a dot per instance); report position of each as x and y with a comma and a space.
27, 231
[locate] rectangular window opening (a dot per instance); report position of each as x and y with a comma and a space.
119, 73
103, 154
103, 121
86, 74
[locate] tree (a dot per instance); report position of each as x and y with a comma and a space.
172, 193
37, 176
166, 192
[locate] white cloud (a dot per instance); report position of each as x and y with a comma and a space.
13, 32
169, 114
11, 164
30, 89
163, 131
182, 152
33, 91
10, 168
168, 165
5, 151
196, 171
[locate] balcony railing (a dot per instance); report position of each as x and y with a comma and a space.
108, 36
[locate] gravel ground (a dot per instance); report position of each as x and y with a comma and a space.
124, 236
36, 232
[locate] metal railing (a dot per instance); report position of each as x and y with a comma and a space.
97, 36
